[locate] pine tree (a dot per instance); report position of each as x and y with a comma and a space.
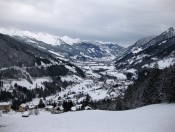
41, 104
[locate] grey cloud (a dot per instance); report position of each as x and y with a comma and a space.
108, 20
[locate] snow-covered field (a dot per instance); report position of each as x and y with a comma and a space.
153, 118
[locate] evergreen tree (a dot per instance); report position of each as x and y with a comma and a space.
41, 104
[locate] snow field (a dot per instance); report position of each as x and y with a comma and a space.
153, 118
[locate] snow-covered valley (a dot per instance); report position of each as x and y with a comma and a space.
87, 66
153, 118
44, 79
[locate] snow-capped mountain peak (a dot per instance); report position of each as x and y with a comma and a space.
171, 32
44, 37
69, 40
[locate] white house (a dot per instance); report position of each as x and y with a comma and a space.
87, 108
49, 108
57, 110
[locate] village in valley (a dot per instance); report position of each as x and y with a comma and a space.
102, 82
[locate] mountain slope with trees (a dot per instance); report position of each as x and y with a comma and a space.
22, 62
157, 49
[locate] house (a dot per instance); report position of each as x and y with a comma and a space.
58, 110
76, 107
49, 108
73, 108
87, 108
110, 81
23, 107
31, 108
113, 94
5, 106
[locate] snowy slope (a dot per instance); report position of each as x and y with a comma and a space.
163, 63
153, 118
37, 82
69, 40
156, 50
139, 43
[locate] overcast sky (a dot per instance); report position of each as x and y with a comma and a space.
121, 21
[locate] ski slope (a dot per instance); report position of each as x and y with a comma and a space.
153, 118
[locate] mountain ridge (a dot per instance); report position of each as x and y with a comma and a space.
71, 49
156, 49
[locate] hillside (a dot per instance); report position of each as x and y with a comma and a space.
27, 72
160, 49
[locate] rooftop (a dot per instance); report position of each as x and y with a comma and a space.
5, 103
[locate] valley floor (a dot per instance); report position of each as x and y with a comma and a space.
153, 118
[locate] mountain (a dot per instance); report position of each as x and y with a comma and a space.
138, 44
66, 47
31, 68
152, 61
27, 72
159, 49
31, 65
20, 61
